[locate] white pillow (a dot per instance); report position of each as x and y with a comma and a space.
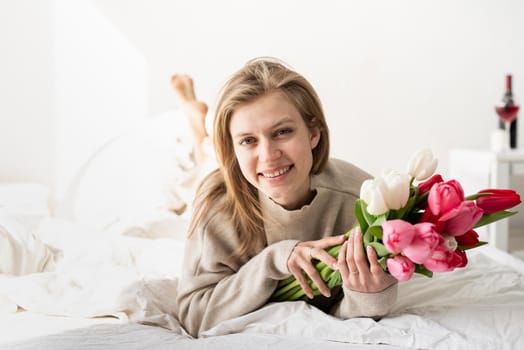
132, 176
21, 252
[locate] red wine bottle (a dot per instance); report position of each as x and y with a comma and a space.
509, 107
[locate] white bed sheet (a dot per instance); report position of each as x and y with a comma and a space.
33, 331
133, 278
480, 307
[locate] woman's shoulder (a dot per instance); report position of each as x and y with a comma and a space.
341, 176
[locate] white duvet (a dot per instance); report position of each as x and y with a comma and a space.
134, 278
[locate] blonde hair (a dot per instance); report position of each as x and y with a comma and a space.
227, 185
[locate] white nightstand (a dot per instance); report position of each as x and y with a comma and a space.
480, 169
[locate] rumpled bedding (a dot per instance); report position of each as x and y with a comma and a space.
133, 277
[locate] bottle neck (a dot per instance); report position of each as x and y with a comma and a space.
508, 94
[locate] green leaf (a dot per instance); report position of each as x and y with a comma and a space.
367, 237
382, 263
380, 249
473, 197
380, 220
479, 244
367, 216
423, 271
489, 218
360, 208
376, 231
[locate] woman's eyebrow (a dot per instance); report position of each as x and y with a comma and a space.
274, 126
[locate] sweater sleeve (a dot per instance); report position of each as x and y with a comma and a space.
215, 286
357, 304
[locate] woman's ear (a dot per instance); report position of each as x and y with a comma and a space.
314, 136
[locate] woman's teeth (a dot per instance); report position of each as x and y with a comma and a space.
277, 172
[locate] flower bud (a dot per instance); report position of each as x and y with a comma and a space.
423, 244
469, 239
461, 219
498, 200
397, 234
425, 186
395, 189
422, 164
400, 267
445, 196
371, 194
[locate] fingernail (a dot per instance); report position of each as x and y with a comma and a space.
334, 266
327, 294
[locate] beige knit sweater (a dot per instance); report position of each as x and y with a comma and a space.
215, 287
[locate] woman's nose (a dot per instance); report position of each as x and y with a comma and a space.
269, 150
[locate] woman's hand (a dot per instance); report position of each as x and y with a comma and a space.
357, 274
299, 262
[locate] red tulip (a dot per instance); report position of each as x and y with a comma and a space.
498, 200
469, 239
425, 186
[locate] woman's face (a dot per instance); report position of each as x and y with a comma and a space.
273, 147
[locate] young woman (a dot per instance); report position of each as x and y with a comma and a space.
275, 203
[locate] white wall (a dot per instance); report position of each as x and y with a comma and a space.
394, 75
27, 126
101, 85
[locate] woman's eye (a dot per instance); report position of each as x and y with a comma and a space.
247, 141
283, 131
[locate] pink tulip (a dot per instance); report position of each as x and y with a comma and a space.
397, 234
400, 267
425, 186
423, 244
498, 200
443, 260
445, 196
461, 219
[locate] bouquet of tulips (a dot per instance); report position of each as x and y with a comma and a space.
416, 222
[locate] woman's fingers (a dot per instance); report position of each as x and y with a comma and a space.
322, 255
317, 280
330, 241
361, 259
342, 265
374, 266
350, 254
301, 266
299, 275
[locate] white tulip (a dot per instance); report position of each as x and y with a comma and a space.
422, 165
395, 188
451, 243
370, 193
